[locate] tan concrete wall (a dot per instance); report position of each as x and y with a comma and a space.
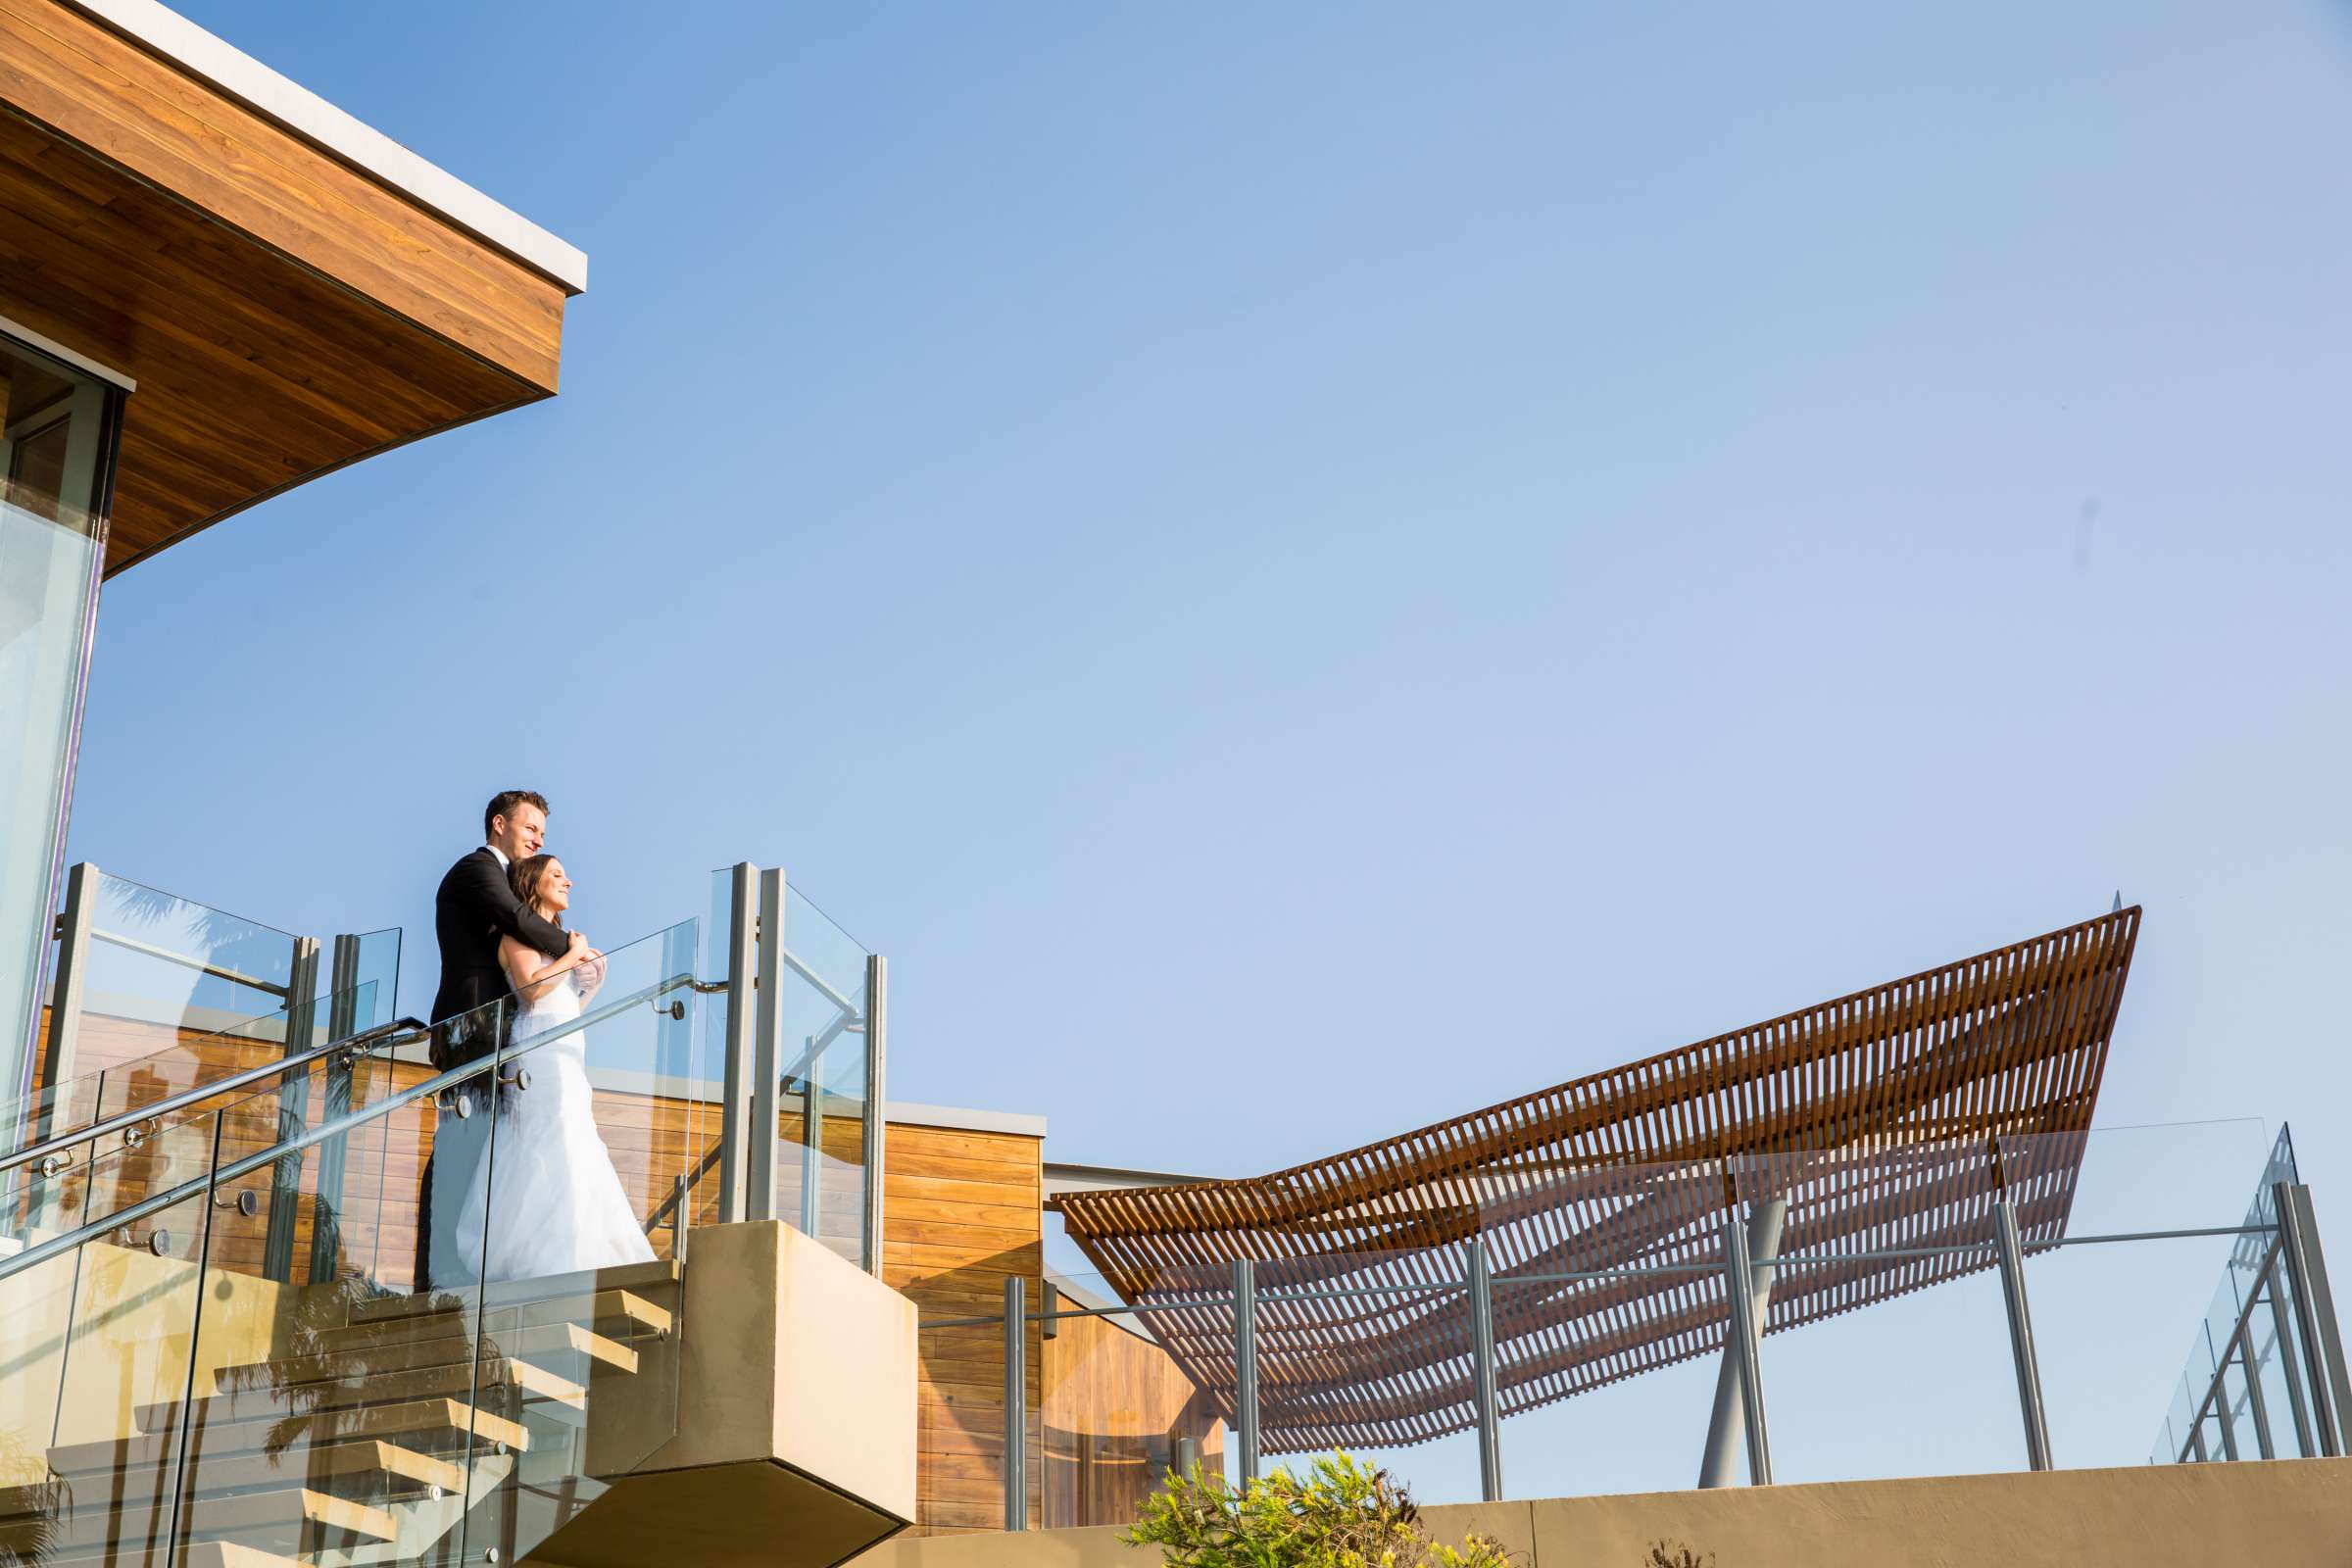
791, 1355
2295, 1511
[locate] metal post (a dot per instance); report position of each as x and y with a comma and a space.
813, 1133
2021, 1334
293, 1105
1245, 1365
877, 1122
1482, 1372
735, 1087
2315, 1313
2257, 1403
1740, 1278
2196, 1441
65, 999
1016, 1403
2284, 1336
1718, 1463
342, 1022
2217, 1393
767, 1054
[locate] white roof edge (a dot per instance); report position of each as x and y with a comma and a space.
168, 34
957, 1118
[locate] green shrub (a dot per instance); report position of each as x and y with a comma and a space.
1343, 1514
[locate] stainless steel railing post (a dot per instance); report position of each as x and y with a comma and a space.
293, 1105
877, 1120
65, 999
767, 1053
736, 1081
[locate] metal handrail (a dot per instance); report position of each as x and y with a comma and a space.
211, 1179
203, 967
381, 1035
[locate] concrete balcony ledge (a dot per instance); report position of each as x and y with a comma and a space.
2155, 1516
795, 1421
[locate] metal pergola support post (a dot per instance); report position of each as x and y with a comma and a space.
2314, 1315
2257, 1403
1719, 1461
768, 1054
877, 1121
293, 1104
1481, 1282
1016, 1403
1739, 1282
2011, 1249
736, 1078
1244, 1366
2283, 1334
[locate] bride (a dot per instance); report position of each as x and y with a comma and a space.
553, 1201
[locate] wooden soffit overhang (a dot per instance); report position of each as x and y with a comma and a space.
283, 308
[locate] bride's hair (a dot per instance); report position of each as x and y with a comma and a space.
524, 877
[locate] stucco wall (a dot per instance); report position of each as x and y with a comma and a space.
2295, 1511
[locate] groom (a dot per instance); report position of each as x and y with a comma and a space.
473, 908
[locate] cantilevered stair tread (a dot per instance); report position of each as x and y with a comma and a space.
421, 1421
195, 1554
287, 1515
619, 1312
368, 1350
643, 1278
456, 1379
386, 1469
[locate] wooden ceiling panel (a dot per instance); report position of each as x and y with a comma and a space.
283, 313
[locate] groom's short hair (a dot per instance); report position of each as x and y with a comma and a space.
503, 804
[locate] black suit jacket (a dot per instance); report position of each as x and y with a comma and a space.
473, 909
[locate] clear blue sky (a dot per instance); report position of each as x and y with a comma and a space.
1303, 569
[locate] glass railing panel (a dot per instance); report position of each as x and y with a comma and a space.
150, 1080
103, 1341
342, 1416
198, 1056
587, 1133
156, 964
820, 1157
1116, 1412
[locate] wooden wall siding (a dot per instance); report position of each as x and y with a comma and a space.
1891, 1118
1113, 1406
964, 1211
283, 313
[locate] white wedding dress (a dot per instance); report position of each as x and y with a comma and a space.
554, 1203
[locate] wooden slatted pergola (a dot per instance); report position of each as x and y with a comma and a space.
1889, 1120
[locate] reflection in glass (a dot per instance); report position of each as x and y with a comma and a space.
57, 433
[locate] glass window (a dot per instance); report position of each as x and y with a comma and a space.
57, 436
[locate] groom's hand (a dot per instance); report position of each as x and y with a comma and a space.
577, 946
